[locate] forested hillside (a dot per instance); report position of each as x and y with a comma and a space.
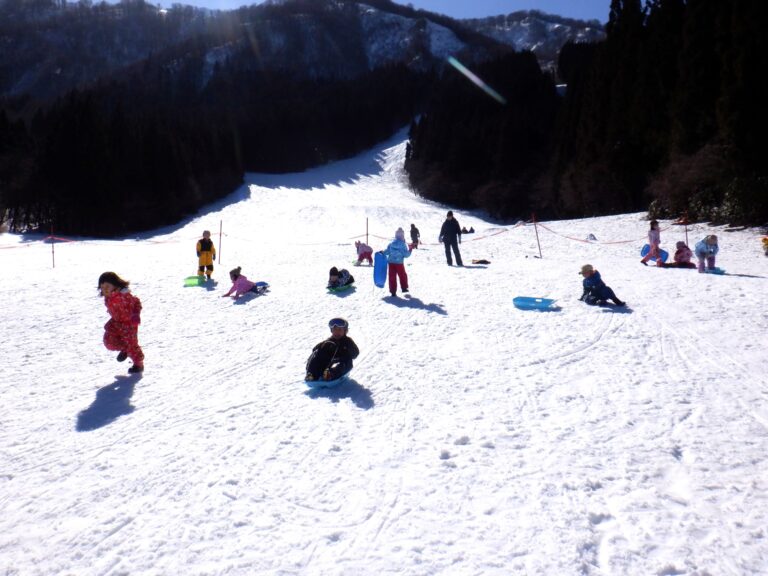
667, 114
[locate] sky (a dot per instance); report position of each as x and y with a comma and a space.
472, 437
583, 9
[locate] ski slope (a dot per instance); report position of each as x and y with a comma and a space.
472, 438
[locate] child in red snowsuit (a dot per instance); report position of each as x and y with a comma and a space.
121, 331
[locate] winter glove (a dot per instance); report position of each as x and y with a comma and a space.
198, 254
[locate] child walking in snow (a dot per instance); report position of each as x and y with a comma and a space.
415, 237
121, 332
706, 250
332, 358
240, 284
206, 254
654, 239
364, 252
396, 253
595, 290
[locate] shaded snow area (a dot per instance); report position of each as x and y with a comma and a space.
472, 437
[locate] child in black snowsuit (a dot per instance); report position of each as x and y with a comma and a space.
332, 358
595, 290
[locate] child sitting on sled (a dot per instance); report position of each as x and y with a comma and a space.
682, 257
338, 278
595, 290
332, 358
364, 252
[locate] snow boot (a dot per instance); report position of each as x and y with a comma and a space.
122, 356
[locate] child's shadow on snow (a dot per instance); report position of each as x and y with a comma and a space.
247, 297
112, 401
411, 302
617, 309
360, 395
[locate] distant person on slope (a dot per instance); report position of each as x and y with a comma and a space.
364, 252
415, 237
450, 235
706, 250
654, 240
240, 284
206, 254
332, 358
595, 290
682, 257
396, 253
338, 278
121, 332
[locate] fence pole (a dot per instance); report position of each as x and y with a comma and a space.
366, 231
221, 225
533, 217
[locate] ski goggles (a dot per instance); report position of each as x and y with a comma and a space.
338, 323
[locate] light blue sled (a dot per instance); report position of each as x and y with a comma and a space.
647, 248
326, 383
715, 271
533, 303
379, 269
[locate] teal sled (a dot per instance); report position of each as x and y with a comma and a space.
534, 303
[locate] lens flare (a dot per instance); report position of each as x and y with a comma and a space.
476, 80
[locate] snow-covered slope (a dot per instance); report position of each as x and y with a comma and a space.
473, 438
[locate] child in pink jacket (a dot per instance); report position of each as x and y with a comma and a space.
240, 284
654, 240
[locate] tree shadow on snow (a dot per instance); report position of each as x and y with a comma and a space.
409, 301
360, 395
111, 402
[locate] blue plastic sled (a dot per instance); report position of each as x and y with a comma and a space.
647, 248
532, 303
326, 383
715, 271
379, 269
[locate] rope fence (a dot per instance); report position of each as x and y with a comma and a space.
53, 239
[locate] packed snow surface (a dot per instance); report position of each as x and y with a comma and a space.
472, 437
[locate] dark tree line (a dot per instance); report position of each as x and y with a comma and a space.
135, 155
668, 113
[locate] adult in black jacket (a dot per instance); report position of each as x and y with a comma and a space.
450, 235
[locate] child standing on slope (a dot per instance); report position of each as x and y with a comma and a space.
332, 358
396, 253
121, 332
654, 239
206, 254
706, 250
595, 290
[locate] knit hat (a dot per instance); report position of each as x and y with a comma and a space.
586, 269
450, 213
680, 245
400, 234
333, 272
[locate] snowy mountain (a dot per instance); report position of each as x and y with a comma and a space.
543, 34
472, 437
52, 47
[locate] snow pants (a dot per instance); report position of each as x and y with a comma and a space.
205, 264
709, 259
454, 243
397, 271
124, 338
365, 256
654, 252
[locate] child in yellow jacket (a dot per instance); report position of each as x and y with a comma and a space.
206, 254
